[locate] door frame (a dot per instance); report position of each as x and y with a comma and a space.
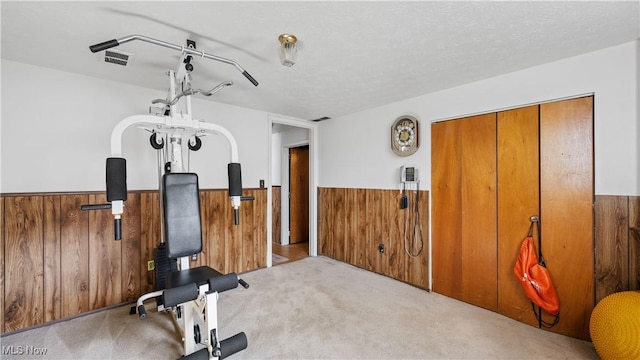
313, 182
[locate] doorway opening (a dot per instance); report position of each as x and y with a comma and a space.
292, 196
298, 202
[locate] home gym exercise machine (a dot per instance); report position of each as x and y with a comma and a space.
189, 294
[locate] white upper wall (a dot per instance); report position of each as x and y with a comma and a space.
356, 153
56, 130
56, 126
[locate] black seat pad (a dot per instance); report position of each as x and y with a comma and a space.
199, 275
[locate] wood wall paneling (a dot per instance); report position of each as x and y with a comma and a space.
74, 226
245, 234
518, 200
416, 265
213, 231
324, 211
150, 237
617, 244
52, 259
566, 175
276, 209
23, 262
385, 226
260, 229
130, 249
216, 211
361, 230
372, 222
227, 247
105, 268
355, 222
351, 240
634, 243
611, 245
58, 261
395, 250
339, 240
60, 217
331, 239
253, 230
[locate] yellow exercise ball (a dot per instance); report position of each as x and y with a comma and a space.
615, 326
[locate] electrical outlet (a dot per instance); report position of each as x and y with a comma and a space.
151, 265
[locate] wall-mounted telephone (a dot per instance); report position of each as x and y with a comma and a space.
408, 174
409, 201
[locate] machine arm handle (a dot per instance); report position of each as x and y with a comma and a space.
95, 207
104, 45
248, 76
117, 221
243, 283
117, 228
115, 42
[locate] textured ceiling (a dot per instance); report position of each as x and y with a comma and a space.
352, 55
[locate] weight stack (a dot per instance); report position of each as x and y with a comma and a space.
164, 265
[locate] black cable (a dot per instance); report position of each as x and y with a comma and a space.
415, 225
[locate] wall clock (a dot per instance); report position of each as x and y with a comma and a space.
405, 135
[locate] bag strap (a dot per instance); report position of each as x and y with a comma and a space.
538, 312
541, 322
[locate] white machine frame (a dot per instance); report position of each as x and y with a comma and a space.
173, 127
176, 127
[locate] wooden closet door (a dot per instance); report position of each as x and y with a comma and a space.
446, 209
464, 209
518, 200
566, 185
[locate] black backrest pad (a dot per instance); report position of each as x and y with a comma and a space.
181, 202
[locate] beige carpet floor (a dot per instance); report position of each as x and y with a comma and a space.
316, 308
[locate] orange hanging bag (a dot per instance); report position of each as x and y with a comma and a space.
535, 279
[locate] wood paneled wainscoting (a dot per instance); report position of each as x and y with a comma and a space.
617, 245
354, 223
58, 261
276, 209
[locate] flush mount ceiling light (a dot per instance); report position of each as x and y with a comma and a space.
287, 49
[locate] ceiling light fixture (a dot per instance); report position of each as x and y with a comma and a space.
288, 49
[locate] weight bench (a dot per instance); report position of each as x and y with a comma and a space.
191, 294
